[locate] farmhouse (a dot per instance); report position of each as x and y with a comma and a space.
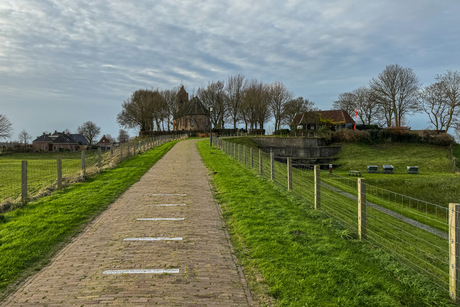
333, 119
105, 143
59, 141
190, 115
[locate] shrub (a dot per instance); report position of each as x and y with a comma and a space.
257, 131
367, 127
351, 136
441, 139
281, 132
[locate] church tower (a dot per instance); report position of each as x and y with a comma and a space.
181, 98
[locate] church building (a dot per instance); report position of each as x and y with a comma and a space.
190, 115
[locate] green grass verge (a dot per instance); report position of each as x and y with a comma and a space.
296, 256
30, 236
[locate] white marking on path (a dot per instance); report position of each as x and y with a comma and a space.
153, 239
165, 205
161, 219
169, 194
145, 271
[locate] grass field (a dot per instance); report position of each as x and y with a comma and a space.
295, 256
41, 171
437, 181
29, 236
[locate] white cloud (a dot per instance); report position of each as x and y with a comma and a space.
74, 50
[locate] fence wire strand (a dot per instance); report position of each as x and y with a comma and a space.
413, 230
42, 169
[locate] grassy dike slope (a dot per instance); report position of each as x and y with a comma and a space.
295, 256
30, 236
437, 181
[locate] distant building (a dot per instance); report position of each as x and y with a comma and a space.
59, 141
105, 143
333, 119
190, 115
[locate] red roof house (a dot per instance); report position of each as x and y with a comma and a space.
334, 119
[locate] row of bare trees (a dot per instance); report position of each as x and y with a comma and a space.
396, 93
251, 102
238, 100
147, 108
234, 101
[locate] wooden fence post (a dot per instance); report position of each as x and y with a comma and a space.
99, 157
289, 173
454, 250
24, 182
244, 154
272, 165
317, 188
234, 151
239, 152
251, 152
59, 173
261, 170
362, 218
83, 164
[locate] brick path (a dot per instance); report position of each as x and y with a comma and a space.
208, 275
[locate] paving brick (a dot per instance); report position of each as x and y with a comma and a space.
208, 275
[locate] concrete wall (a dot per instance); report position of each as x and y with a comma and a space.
289, 142
297, 147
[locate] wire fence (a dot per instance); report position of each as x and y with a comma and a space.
31, 176
414, 231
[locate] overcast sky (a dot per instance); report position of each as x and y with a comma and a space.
66, 62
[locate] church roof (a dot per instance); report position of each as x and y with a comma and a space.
192, 107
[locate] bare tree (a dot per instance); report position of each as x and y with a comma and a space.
214, 96
435, 105
158, 107
123, 136
369, 111
24, 137
89, 130
256, 104
450, 85
234, 90
279, 96
248, 104
347, 102
5, 127
360, 100
169, 96
294, 107
137, 111
395, 89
